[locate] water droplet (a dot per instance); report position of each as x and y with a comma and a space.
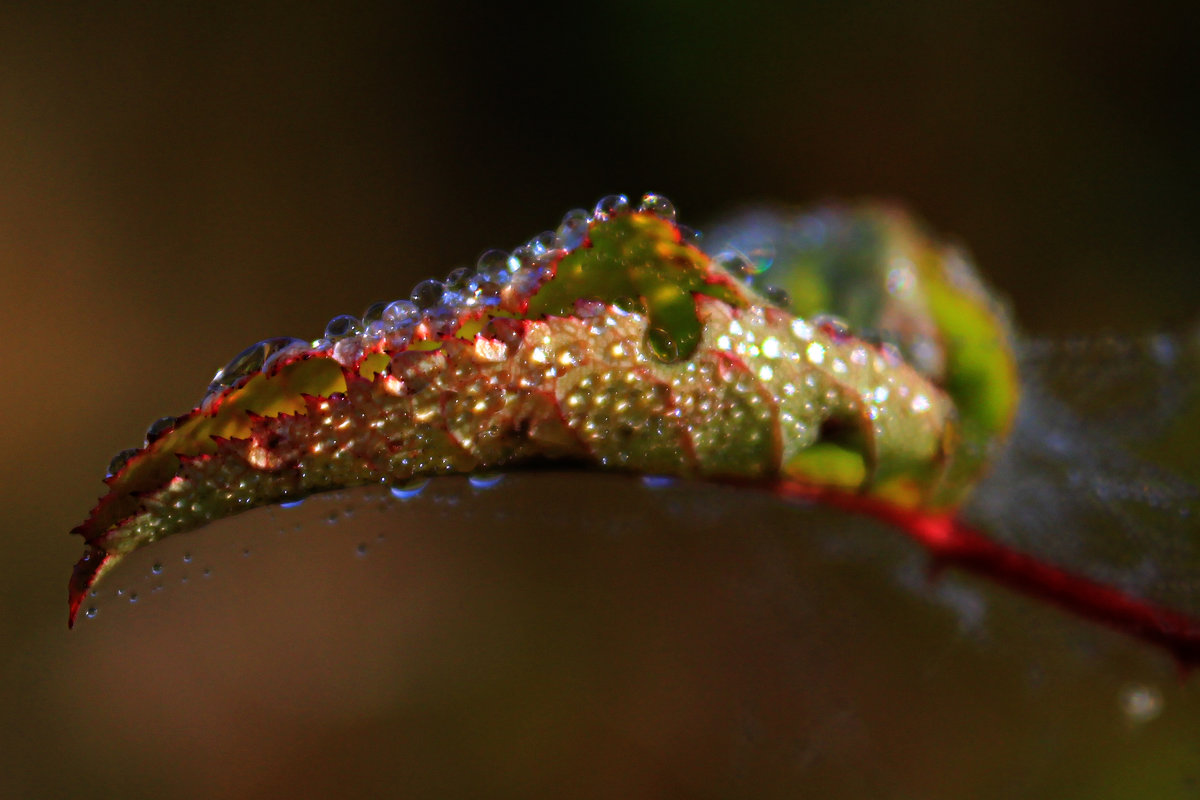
778, 296
245, 552
247, 362
410, 489
187, 558
487, 293
657, 481
361, 550
374, 313
493, 265
658, 205
573, 231
1141, 703
158, 428
348, 352
610, 206
342, 325
662, 344
283, 352
542, 243
460, 279
133, 597
520, 258
689, 235
630, 305
401, 314
762, 256
207, 572
485, 480
735, 262
833, 327
90, 613
428, 293
443, 319
157, 568
119, 461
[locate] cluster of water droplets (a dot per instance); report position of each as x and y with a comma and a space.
433, 309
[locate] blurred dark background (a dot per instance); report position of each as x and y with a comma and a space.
178, 180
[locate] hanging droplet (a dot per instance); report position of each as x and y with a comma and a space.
342, 325
428, 293
610, 206
409, 490
485, 480
658, 205
119, 461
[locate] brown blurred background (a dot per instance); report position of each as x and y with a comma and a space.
178, 180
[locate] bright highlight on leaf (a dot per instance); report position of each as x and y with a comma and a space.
618, 342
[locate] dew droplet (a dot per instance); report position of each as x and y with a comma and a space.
361, 550
428, 293
374, 313
187, 558
542, 243
281, 353
493, 265
157, 568
572, 232
133, 597
778, 296
158, 428
409, 490
248, 362
90, 613
832, 326
485, 480
119, 461
459, 279
609, 206
662, 344
401, 314
657, 481
735, 262
348, 352
342, 325
658, 205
